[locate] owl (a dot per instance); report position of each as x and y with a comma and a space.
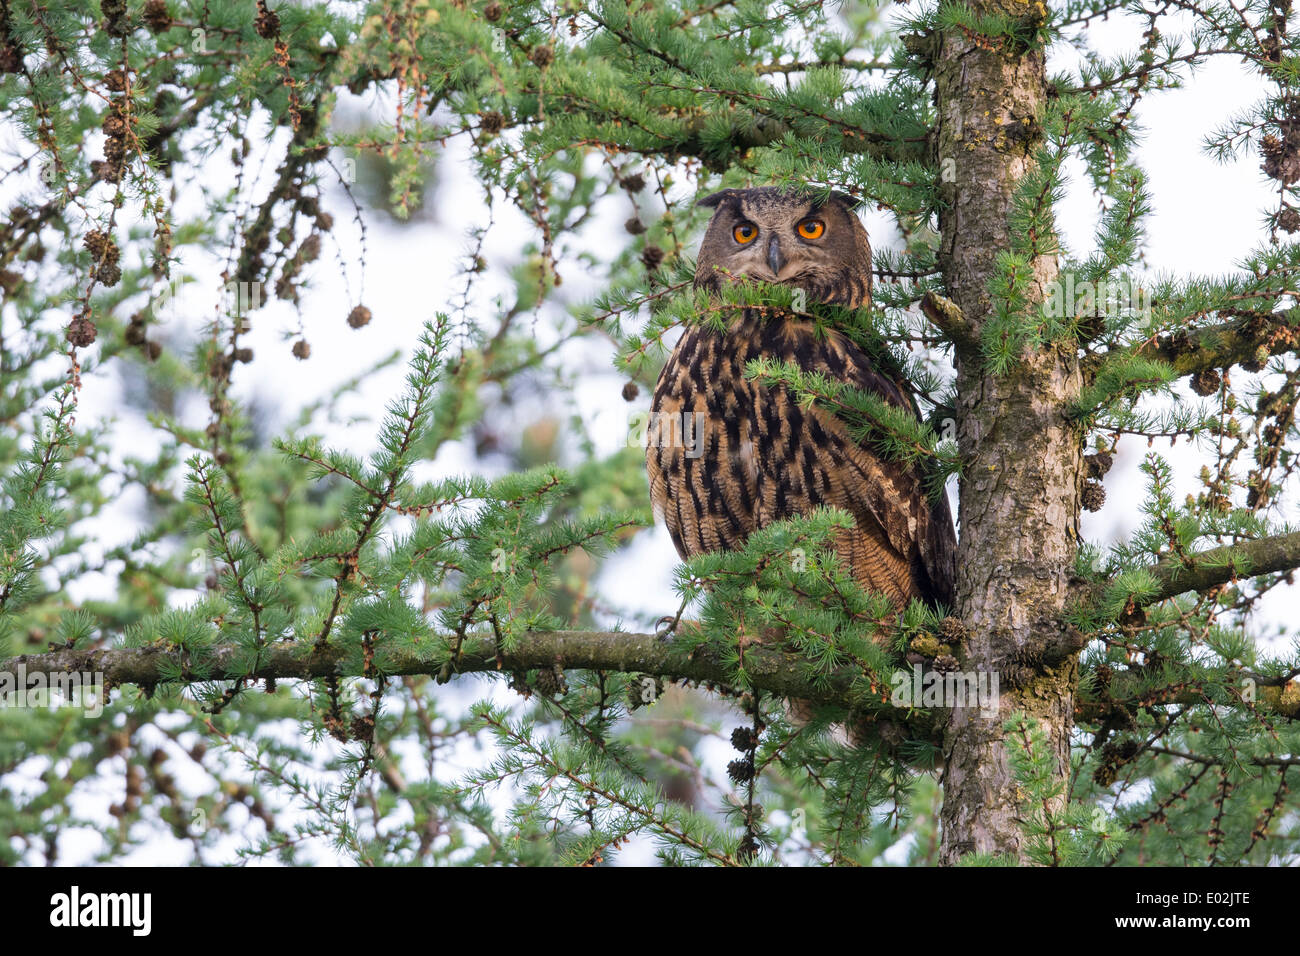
745, 455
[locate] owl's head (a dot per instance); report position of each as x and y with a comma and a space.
786, 237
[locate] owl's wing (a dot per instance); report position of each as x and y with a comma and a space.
903, 542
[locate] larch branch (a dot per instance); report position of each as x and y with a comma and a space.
1250, 339
1217, 566
768, 668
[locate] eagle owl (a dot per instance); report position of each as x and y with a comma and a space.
749, 454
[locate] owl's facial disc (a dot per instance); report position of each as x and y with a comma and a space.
771, 235
757, 247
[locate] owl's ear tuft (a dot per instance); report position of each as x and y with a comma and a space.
717, 198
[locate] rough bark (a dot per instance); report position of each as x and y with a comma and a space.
1022, 459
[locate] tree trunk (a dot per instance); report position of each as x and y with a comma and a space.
1022, 459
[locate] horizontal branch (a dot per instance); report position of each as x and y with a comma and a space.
1227, 344
768, 667
1277, 697
1220, 565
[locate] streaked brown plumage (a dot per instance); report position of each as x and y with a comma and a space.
761, 458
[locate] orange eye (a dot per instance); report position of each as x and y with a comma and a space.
812, 228
745, 232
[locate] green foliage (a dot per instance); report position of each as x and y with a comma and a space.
1058, 832
197, 144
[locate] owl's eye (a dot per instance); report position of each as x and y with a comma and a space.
812, 228
745, 232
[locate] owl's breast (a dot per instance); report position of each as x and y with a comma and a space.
726, 455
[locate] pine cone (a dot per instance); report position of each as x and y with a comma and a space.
550, 681
1094, 496
741, 769
952, 630
359, 317
81, 331
114, 125
115, 21
546, 683
220, 367
95, 242
363, 728
11, 58
946, 663
267, 23
1282, 157
309, 251
109, 274
1097, 465
301, 349
1206, 382
742, 738
156, 16
110, 171
114, 153
1105, 775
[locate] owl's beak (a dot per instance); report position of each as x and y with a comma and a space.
774, 258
